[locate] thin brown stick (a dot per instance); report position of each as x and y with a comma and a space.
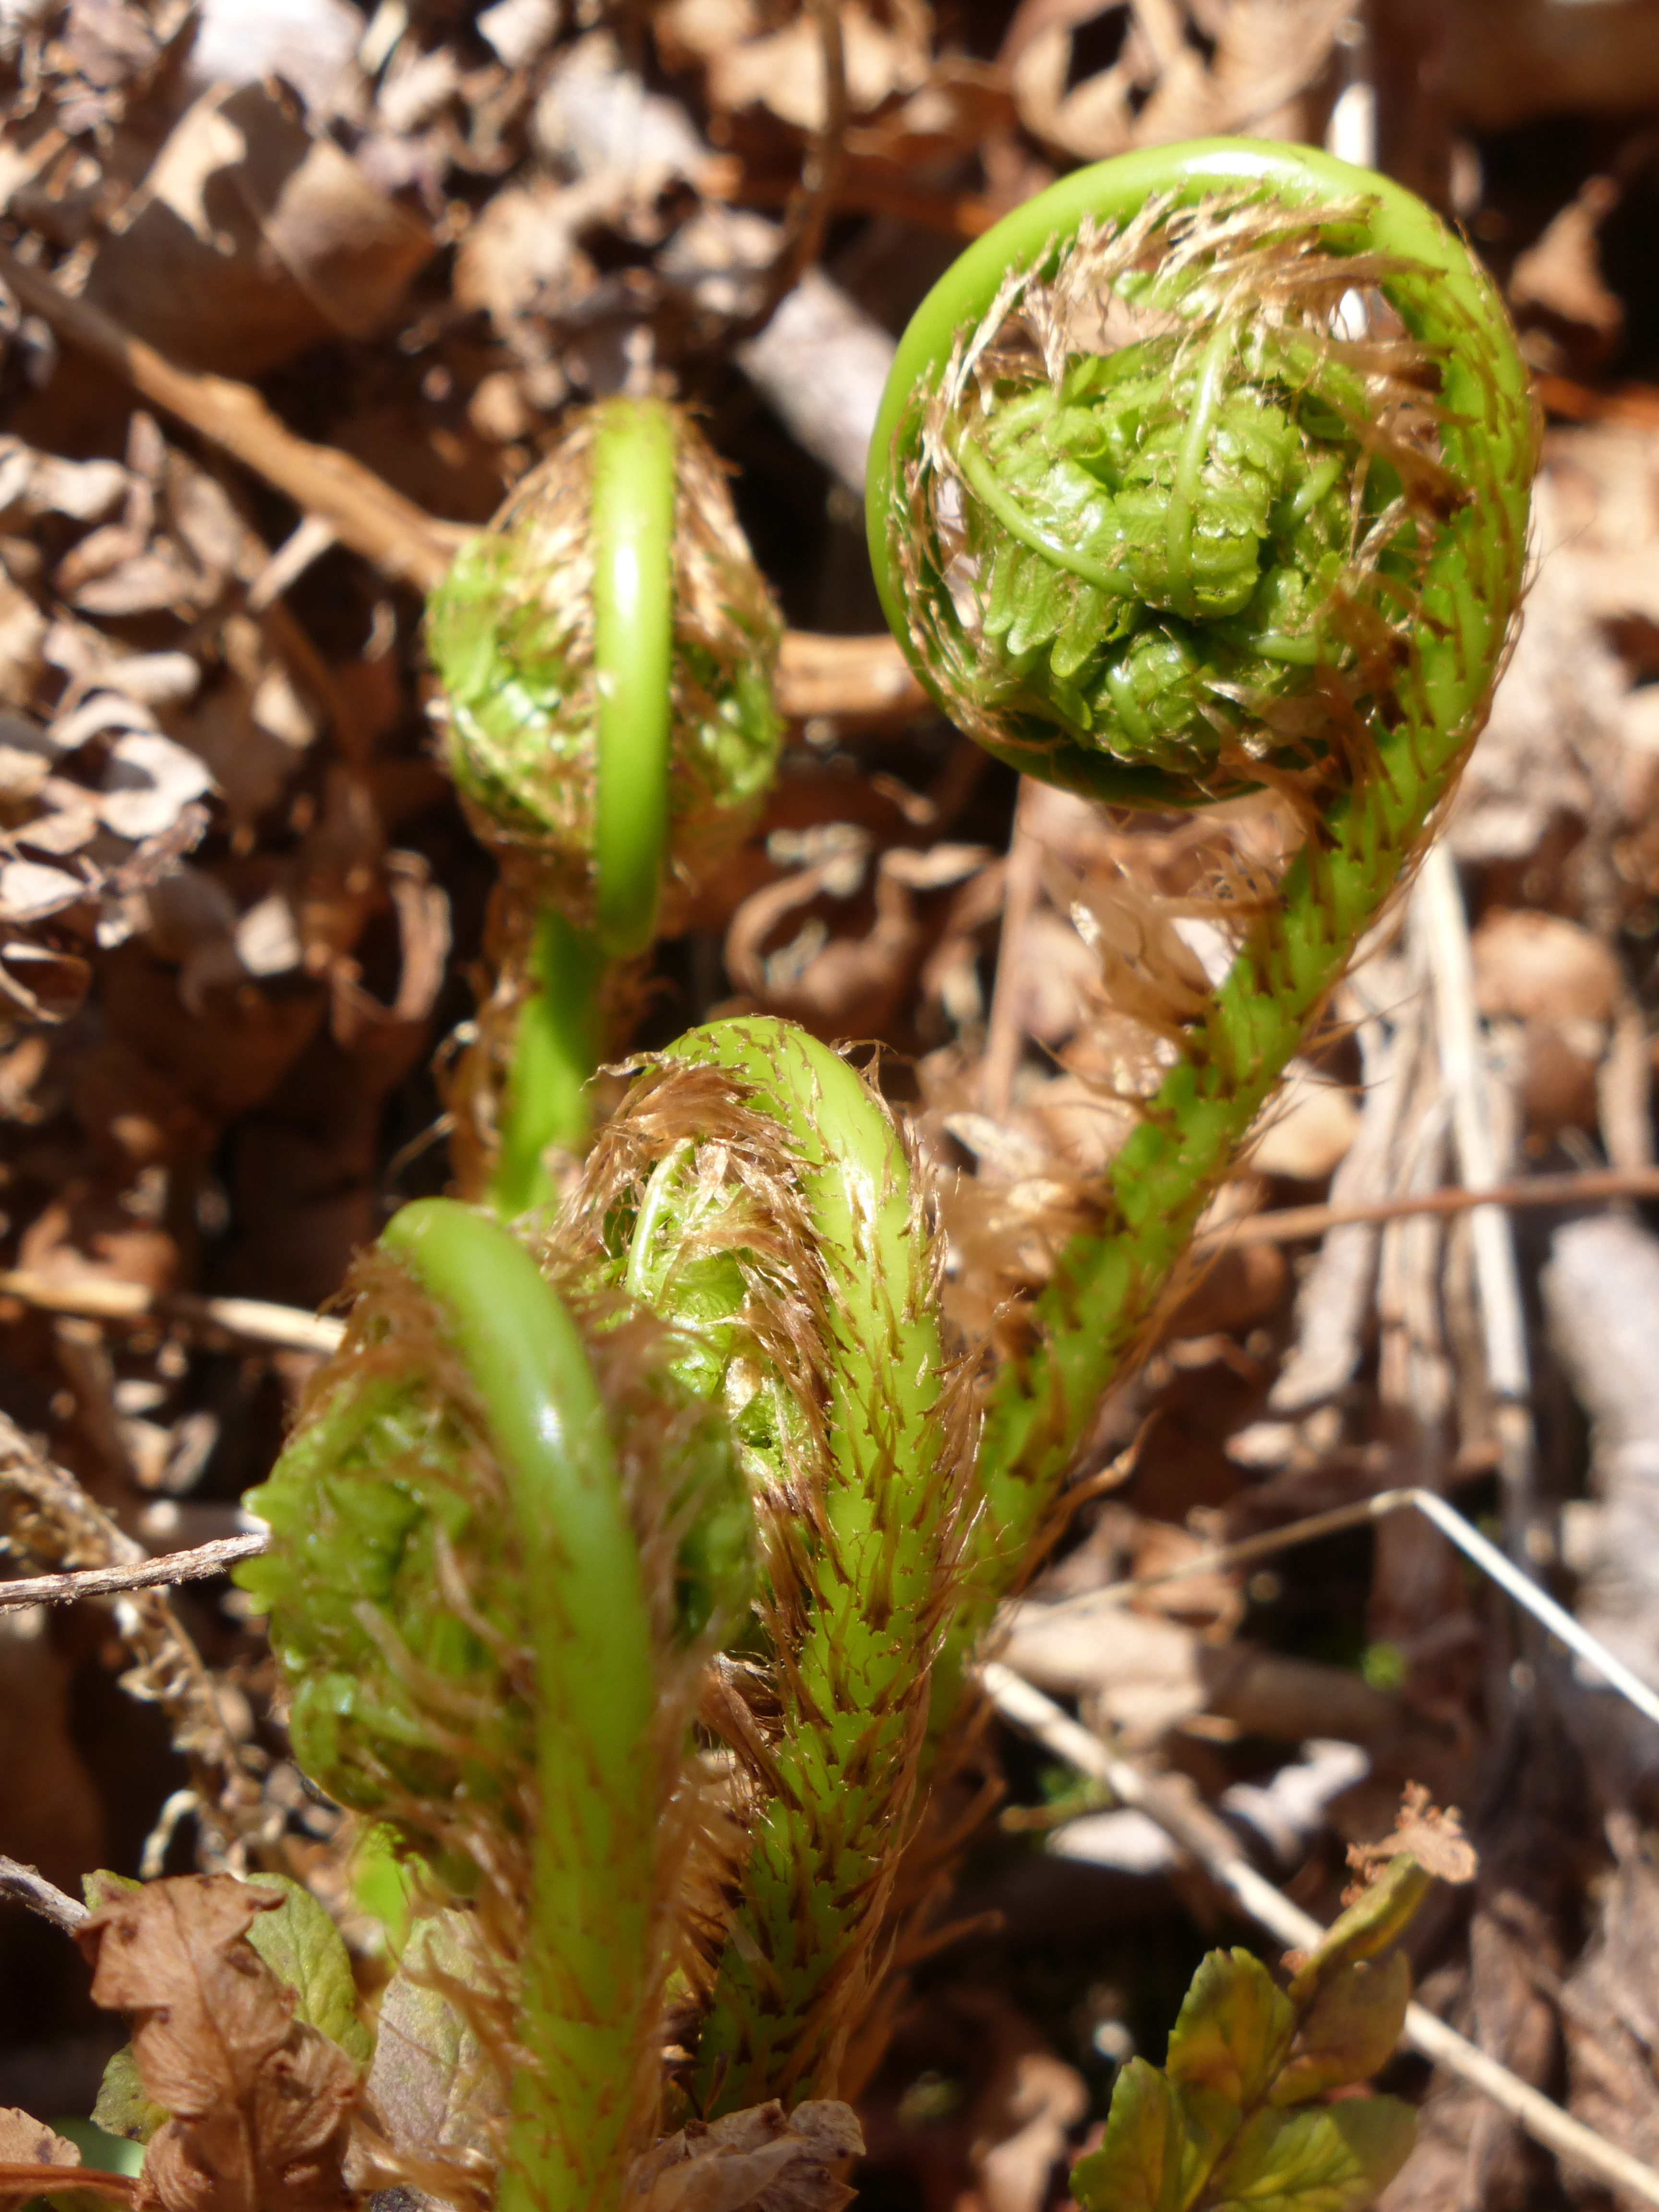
173, 1567
813, 201
401, 540
1212, 1847
853, 676
863, 676
1291, 1225
45, 1512
20, 2181
256, 1319
26, 1885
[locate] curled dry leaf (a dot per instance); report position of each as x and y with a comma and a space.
757, 2160
27, 2146
261, 2106
28, 2142
1435, 1839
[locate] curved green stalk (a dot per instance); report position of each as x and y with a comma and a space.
544, 1102
853, 1683
1388, 713
605, 653
587, 1980
632, 527
466, 1589
758, 1193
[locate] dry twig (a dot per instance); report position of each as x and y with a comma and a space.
400, 538
1291, 1225
256, 1319
25, 1886
172, 1568
51, 1516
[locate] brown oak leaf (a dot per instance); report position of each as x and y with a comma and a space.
261, 2104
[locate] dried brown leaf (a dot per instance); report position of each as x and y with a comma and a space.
30, 2155
1435, 1839
757, 2160
25, 2141
261, 2104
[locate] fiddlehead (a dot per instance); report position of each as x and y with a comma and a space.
495, 1536
605, 654
754, 1192
1208, 467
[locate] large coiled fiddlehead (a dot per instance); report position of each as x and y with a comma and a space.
754, 1192
518, 1502
1209, 467
605, 653
497, 1535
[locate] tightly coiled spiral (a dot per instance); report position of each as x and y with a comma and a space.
1208, 467
511, 632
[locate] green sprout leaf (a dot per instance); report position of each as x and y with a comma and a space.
122, 2108
306, 1952
1138, 2166
1234, 2029
1213, 2131
1352, 2031
1334, 2159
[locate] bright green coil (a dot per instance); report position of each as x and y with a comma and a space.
499, 1540
605, 653
570, 694
1209, 466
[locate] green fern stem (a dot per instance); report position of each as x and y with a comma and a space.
1399, 724
587, 1980
633, 525
861, 1513
555, 1052
411, 1707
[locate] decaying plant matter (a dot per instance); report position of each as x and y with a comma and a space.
621, 1558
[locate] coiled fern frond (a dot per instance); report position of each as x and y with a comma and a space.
499, 1536
529, 647
754, 1192
1209, 467
605, 651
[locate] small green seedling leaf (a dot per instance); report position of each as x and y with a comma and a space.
102, 1887
1233, 2031
1370, 1923
1335, 2158
1138, 2166
1230, 2125
1351, 2030
306, 1952
103, 2152
430, 2080
122, 2108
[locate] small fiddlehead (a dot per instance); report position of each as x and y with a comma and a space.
754, 1192
495, 1536
1209, 467
605, 653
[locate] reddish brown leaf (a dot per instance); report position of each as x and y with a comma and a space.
262, 2106
34, 2161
